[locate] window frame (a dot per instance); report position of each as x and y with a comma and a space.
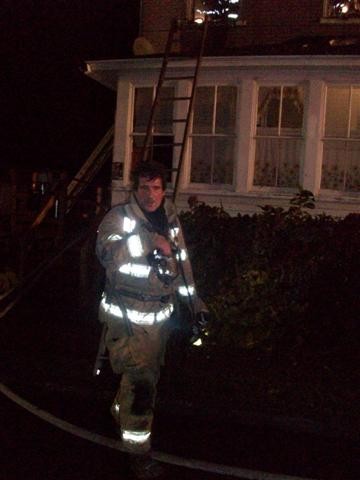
214, 186
133, 134
348, 139
313, 132
302, 137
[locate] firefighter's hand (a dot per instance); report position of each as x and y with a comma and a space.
161, 243
199, 328
202, 319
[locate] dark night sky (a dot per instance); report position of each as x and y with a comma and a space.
52, 114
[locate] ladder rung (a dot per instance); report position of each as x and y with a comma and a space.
175, 98
190, 77
179, 120
166, 145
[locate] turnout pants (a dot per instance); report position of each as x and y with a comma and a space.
138, 359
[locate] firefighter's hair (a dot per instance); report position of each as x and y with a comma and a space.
150, 171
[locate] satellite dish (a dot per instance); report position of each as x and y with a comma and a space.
142, 46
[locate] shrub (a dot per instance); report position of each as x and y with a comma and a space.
274, 275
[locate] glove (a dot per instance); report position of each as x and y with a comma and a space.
198, 330
202, 319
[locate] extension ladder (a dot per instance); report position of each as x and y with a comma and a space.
103, 150
163, 81
84, 176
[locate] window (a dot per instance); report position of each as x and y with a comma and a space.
162, 136
342, 9
341, 156
279, 139
217, 10
213, 135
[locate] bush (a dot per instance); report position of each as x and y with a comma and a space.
277, 275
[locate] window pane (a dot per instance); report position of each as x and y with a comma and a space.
277, 162
203, 110
352, 182
223, 162
337, 111
217, 10
212, 160
161, 153
341, 166
198, 13
289, 161
201, 159
355, 113
333, 167
143, 102
292, 111
225, 109
163, 121
268, 108
266, 159
137, 144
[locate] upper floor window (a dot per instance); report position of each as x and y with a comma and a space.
161, 148
342, 9
279, 140
213, 135
219, 11
341, 156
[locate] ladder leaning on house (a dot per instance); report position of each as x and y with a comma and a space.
163, 81
103, 150
82, 179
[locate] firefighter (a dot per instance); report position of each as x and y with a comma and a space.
141, 246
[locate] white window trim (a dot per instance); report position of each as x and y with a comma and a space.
245, 129
123, 122
314, 112
273, 189
183, 89
218, 187
131, 134
326, 192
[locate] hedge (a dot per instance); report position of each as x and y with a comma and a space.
279, 275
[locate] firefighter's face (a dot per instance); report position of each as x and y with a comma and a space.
150, 193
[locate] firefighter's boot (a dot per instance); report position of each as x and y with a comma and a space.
144, 467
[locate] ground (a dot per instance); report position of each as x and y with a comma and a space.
48, 346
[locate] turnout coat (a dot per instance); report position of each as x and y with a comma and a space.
142, 285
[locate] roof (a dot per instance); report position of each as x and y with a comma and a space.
303, 45
309, 52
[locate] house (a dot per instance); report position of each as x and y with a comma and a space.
277, 104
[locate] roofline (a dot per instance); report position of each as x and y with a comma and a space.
103, 70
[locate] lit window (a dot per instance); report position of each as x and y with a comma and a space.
342, 8
213, 135
217, 10
341, 164
279, 139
